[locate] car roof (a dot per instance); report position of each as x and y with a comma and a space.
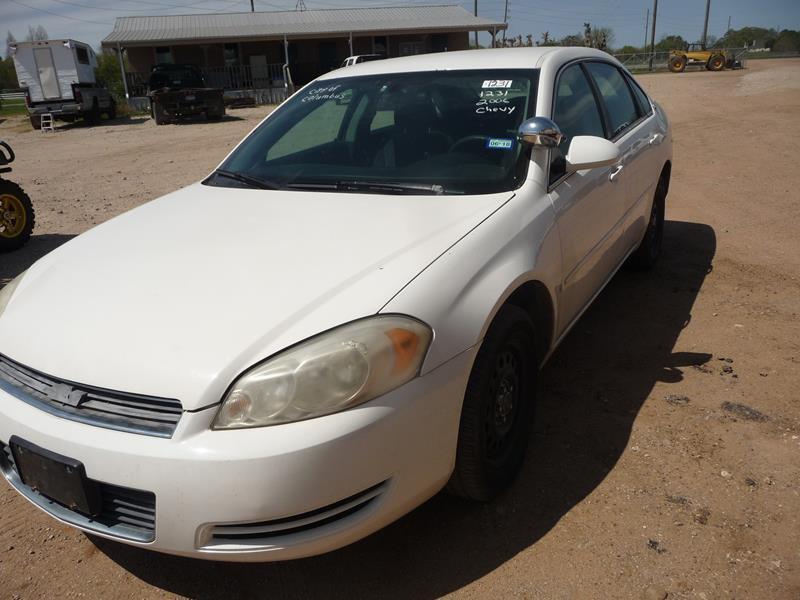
492, 58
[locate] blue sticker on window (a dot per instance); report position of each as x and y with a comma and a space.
500, 143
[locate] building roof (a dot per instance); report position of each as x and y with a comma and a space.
309, 23
489, 59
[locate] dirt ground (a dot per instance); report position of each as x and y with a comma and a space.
665, 460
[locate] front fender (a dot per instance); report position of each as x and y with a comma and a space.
460, 293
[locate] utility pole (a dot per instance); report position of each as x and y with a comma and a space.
729, 24
653, 34
505, 20
705, 25
646, 25
476, 31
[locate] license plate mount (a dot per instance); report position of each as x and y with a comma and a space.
56, 477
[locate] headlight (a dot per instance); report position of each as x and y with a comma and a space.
8, 291
329, 373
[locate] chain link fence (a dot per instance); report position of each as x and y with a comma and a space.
640, 62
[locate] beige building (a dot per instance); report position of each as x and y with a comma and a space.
248, 51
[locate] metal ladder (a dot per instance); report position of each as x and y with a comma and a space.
47, 122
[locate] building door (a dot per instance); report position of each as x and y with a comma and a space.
259, 71
47, 73
328, 57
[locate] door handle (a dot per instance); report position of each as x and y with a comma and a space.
656, 139
615, 172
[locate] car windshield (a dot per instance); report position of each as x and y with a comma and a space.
438, 132
176, 78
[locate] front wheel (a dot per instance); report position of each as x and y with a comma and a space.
36, 121
498, 408
16, 216
677, 64
158, 114
93, 116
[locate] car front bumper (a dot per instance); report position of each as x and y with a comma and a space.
271, 493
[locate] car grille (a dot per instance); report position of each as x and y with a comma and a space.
266, 532
105, 408
126, 513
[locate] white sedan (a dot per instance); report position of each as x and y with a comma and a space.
345, 317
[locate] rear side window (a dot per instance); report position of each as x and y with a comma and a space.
575, 113
83, 55
616, 95
641, 98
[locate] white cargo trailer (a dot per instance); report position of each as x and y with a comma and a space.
60, 80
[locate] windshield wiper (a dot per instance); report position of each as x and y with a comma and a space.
389, 187
256, 182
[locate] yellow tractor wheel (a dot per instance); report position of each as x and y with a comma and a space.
677, 63
16, 216
716, 63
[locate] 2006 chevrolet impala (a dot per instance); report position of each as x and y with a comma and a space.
343, 318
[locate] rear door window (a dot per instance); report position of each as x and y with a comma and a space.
641, 98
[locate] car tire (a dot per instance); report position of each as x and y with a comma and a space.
677, 64
716, 63
497, 413
93, 116
36, 121
649, 250
15, 201
158, 114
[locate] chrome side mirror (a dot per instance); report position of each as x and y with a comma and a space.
540, 131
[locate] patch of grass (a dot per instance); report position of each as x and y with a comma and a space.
12, 107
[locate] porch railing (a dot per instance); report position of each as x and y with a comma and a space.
239, 78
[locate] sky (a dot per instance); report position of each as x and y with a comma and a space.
91, 20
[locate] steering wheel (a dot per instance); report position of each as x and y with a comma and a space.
467, 140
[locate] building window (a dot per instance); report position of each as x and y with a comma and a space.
83, 55
409, 48
163, 55
231, 55
379, 45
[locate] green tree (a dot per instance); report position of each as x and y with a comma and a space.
8, 74
571, 40
787, 41
670, 42
628, 50
748, 36
107, 72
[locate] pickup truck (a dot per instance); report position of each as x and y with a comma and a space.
59, 80
178, 91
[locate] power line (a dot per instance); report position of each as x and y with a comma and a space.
129, 10
49, 12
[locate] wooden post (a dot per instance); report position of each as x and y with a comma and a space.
653, 34
122, 70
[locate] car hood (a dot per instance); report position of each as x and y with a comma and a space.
179, 296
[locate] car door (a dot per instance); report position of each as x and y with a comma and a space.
589, 204
650, 160
631, 128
